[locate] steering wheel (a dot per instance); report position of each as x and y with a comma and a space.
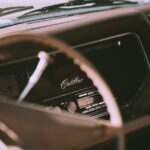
81, 130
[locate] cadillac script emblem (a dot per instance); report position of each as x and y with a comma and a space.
67, 83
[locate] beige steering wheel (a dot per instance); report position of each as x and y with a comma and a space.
112, 127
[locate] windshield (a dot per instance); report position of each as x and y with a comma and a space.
15, 12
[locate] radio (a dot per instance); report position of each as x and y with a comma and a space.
86, 101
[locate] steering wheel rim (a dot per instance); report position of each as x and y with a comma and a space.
86, 66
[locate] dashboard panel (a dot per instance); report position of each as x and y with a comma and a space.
121, 59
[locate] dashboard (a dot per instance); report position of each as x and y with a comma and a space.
121, 59
116, 42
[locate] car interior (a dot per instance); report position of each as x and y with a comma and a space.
77, 82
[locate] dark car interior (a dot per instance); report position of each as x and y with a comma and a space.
60, 110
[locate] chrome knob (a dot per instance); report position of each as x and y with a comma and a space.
72, 107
